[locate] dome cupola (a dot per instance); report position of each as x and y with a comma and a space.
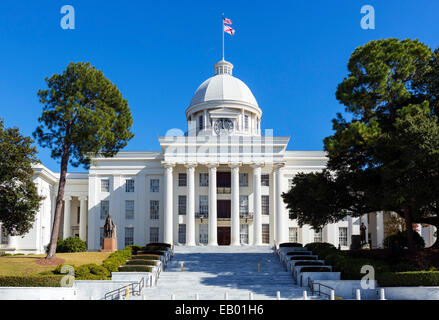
223, 102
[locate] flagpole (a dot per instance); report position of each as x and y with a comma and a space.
222, 30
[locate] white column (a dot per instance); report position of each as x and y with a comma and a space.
190, 205
83, 218
67, 206
213, 241
380, 229
235, 241
280, 223
12, 242
167, 223
257, 219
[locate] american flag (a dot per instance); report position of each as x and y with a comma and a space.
227, 21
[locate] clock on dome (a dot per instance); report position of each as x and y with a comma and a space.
223, 127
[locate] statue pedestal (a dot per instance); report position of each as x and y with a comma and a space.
110, 245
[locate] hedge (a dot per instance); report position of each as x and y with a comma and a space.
408, 279
303, 258
147, 257
156, 252
31, 281
135, 268
298, 253
117, 259
315, 269
138, 262
309, 263
320, 247
133, 248
161, 244
290, 244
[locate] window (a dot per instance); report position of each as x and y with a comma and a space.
181, 233
204, 233
265, 233
243, 205
129, 185
105, 208
204, 179
243, 233
129, 236
246, 122
105, 185
343, 236
154, 185
200, 123
129, 209
265, 180
182, 179
243, 179
78, 215
153, 234
4, 237
101, 237
318, 235
265, 205
154, 209
204, 205
293, 235
182, 205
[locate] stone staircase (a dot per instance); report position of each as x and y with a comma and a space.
211, 272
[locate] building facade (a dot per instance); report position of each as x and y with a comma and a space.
220, 183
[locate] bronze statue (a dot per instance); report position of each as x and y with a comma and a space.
363, 233
109, 228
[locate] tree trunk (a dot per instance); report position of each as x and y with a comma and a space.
58, 207
409, 227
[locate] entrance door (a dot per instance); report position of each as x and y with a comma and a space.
223, 236
223, 208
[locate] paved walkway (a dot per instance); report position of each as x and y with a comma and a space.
213, 271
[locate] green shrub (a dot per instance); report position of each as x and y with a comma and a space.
302, 258
138, 262
309, 263
320, 247
290, 245
315, 269
399, 240
298, 253
3, 254
161, 244
59, 267
156, 252
408, 279
31, 281
133, 248
135, 268
71, 244
147, 257
91, 271
116, 259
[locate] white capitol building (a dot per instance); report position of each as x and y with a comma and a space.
218, 184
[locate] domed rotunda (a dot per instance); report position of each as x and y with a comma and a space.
224, 105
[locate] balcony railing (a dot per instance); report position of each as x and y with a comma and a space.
223, 190
242, 215
201, 215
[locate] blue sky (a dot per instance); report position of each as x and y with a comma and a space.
292, 55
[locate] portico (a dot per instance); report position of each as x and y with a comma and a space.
226, 208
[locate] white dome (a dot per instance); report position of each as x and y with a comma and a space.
223, 86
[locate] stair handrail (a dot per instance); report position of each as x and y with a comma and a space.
116, 294
319, 291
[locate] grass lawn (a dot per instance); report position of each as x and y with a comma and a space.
25, 265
